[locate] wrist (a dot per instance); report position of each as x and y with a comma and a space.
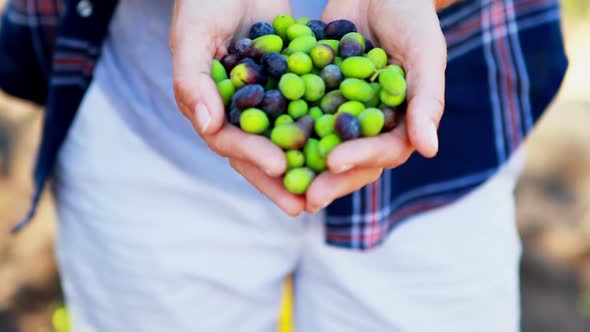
438, 4
442, 4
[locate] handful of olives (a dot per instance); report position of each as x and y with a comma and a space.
309, 86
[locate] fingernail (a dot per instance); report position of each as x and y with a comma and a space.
268, 172
324, 205
433, 138
203, 118
344, 168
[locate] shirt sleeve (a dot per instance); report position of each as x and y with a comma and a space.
21, 73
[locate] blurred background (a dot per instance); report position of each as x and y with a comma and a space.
553, 210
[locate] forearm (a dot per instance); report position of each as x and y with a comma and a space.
355, 5
442, 4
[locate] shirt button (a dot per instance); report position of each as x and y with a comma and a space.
84, 8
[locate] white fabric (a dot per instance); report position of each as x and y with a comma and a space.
157, 233
135, 70
144, 247
454, 269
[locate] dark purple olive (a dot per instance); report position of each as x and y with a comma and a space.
273, 103
347, 126
306, 123
332, 76
234, 115
337, 29
317, 27
230, 61
249, 96
350, 47
239, 46
331, 101
368, 45
352, 44
260, 29
274, 64
248, 60
391, 117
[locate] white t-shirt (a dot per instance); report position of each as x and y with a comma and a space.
134, 74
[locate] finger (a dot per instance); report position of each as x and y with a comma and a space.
387, 150
234, 143
333, 11
266, 11
426, 89
422, 50
193, 47
272, 188
329, 186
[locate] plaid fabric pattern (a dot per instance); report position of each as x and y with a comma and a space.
29, 32
505, 63
42, 17
72, 56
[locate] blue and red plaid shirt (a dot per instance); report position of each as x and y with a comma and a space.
506, 62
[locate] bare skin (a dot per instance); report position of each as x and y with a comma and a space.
409, 30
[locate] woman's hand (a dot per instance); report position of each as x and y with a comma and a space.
201, 31
410, 32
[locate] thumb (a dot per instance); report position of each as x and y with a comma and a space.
194, 89
426, 63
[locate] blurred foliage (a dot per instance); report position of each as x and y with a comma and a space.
61, 319
585, 305
576, 8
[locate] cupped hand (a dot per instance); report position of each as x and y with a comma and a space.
408, 30
201, 31
410, 33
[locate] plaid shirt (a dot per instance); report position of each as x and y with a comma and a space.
505, 64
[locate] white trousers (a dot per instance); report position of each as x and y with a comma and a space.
143, 247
